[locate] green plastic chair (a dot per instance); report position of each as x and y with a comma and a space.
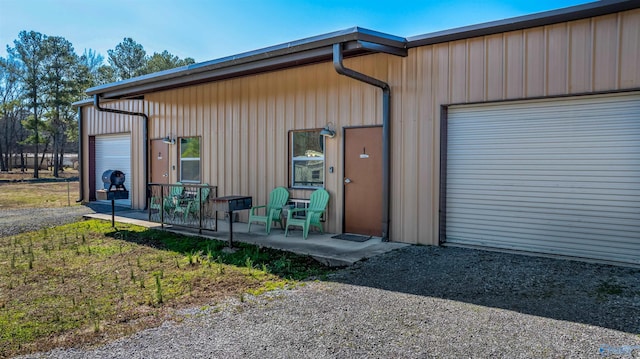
193, 205
273, 210
170, 200
175, 193
317, 206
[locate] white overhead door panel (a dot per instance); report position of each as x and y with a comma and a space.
113, 152
557, 176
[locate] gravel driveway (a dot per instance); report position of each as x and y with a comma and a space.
417, 302
15, 221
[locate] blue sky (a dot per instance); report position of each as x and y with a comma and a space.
210, 29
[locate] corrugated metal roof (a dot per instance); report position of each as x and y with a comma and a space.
296, 53
356, 40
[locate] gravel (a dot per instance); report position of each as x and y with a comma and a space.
416, 302
15, 221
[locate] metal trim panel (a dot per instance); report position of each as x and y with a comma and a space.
555, 176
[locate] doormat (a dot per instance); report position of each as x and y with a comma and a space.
352, 237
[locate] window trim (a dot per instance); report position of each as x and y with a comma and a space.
290, 160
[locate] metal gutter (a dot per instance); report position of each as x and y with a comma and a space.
83, 102
296, 53
578, 12
96, 103
81, 174
386, 136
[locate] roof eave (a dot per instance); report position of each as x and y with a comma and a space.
298, 52
578, 12
83, 102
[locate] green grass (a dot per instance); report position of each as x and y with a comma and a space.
87, 282
33, 195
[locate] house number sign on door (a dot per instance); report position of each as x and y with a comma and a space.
364, 153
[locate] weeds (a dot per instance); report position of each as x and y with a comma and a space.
159, 289
193, 257
209, 256
82, 288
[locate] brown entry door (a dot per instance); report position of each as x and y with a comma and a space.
363, 180
159, 162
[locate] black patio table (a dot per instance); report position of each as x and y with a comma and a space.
230, 204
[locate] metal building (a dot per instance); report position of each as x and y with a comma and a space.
519, 134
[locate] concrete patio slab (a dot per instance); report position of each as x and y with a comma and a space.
329, 251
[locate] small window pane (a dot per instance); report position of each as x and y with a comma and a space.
190, 147
190, 159
307, 159
308, 144
190, 171
308, 173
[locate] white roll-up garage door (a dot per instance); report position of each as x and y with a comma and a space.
113, 152
554, 176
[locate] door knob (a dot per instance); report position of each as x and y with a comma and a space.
165, 175
347, 181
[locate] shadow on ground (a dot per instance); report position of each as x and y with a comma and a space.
594, 294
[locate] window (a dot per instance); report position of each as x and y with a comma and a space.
190, 159
307, 159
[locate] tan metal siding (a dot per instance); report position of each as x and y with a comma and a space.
534, 62
556, 61
605, 46
244, 122
84, 165
458, 71
514, 65
629, 49
580, 35
477, 70
102, 123
598, 54
494, 76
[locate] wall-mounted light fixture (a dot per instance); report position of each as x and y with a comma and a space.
328, 131
169, 140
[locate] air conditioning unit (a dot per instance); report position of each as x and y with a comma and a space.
295, 203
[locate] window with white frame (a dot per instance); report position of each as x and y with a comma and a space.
190, 159
306, 159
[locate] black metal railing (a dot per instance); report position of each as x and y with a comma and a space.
186, 205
